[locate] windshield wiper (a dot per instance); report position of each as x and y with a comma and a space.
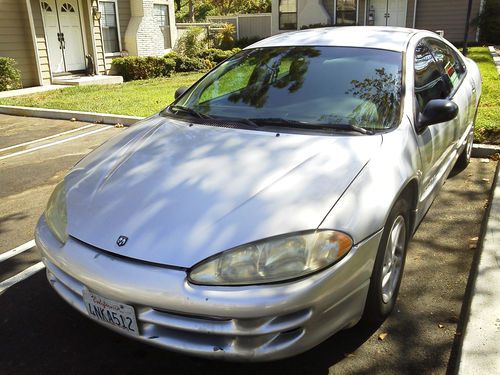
270, 121
181, 108
350, 127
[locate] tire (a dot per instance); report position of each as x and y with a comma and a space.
464, 158
389, 264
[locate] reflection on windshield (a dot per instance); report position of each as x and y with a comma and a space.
279, 69
312, 85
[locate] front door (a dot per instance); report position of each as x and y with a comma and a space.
63, 32
389, 12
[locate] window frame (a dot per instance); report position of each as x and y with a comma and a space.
280, 13
457, 56
117, 18
166, 28
416, 104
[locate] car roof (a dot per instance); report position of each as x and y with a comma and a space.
389, 38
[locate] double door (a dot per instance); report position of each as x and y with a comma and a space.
63, 31
389, 12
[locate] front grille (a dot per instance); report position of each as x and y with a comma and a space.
197, 334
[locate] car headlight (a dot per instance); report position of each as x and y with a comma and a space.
55, 213
273, 259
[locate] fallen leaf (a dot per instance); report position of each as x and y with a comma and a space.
382, 336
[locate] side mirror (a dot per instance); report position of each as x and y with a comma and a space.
437, 111
181, 90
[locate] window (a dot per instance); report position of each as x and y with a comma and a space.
109, 25
346, 12
448, 61
429, 81
288, 14
46, 7
300, 84
160, 15
66, 7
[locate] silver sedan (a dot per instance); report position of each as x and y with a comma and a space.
271, 204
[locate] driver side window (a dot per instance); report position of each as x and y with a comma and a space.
429, 79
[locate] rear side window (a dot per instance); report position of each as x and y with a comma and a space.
430, 82
449, 61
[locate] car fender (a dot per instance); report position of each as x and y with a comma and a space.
364, 207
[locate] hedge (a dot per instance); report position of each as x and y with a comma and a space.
188, 64
134, 67
217, 55
10, 77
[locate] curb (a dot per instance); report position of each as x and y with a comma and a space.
484, 150
60, 114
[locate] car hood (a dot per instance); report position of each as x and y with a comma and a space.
182, 193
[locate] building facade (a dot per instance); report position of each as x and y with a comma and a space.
54, 38
445, 15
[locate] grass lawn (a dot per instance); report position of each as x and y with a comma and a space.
488, 116
143, 98
135, 98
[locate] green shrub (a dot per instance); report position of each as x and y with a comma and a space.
188, 64
10, 77
138, 67
192, 42
217, 55
226, 36
244, 42
314, 26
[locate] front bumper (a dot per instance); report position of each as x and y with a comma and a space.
248, 323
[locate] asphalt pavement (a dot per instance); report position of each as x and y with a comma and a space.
40, 333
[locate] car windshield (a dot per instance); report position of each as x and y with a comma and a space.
338, 87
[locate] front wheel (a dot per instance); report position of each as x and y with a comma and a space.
389, 264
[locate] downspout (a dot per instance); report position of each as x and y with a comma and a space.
366, 14
92, 37
33, 40
415, 12
478, 29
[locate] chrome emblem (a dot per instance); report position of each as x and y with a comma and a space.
122, 240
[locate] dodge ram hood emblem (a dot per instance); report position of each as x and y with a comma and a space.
122, 240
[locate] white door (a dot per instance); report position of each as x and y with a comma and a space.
389, 12
64, 35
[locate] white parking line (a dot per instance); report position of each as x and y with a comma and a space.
18, 250
55, 143
45, 138
4, 285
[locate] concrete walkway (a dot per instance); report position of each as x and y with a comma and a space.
481, 341
30, 90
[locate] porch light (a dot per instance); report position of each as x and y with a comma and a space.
96, 13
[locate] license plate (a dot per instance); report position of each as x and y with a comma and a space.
111, 312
